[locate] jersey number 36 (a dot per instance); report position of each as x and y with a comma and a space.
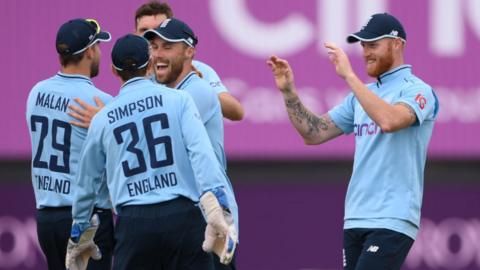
152, 142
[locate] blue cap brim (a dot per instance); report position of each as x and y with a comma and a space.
103, 36
368, 37
152, 33
363, 36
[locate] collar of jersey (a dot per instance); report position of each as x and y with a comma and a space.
183, 82
394, 73
75, 76
132, 82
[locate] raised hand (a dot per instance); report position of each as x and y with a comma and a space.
339, 59
282, 73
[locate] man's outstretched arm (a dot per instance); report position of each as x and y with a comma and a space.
314, 129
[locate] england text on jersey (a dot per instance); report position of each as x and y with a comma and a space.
48, 183
132, 107
52, 102
146, 185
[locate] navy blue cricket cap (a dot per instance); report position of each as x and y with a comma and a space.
75, 36
130, 52
173, 30
380, 25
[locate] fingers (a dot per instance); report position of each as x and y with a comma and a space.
82, 122
77, 111
330, 45
99, 102
85, 112
79, 124
84, 105
210, 238
229, 250
275, 61
95, 253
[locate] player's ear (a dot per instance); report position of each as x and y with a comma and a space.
398, 43
190, 52
90, 52
114, 71
150, 64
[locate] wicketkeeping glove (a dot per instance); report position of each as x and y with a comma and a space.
220, 234
81, 246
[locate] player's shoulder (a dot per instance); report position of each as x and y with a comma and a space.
101, 94
196, 82
414, 83
43, 85
201, 65
45, 82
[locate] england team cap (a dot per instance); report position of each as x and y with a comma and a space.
173, 30
130, 52
380, 25
75, 36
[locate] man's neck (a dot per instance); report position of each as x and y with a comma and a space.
76, 69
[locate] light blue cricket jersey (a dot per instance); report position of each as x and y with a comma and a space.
209, 74
153, 145
386, 187
56, 144
210, 110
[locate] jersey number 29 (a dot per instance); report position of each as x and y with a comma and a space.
62, 146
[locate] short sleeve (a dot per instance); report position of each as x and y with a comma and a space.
343, 114
422, 100
209, 74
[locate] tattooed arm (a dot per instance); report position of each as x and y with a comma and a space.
314, 129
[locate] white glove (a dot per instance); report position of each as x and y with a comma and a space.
79, 252
220, 234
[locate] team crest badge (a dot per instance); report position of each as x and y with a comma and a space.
421, 101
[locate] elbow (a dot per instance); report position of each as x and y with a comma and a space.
309, 141
388, 127
236, 116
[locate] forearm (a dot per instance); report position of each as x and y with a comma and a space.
312, 128
381, 112
231, 107
82, 209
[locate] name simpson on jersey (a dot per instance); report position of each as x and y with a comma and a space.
133, 107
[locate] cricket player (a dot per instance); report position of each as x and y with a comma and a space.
56, 144
159, 162
173, 47
392, 120
149, 16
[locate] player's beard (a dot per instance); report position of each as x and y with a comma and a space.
94, 68
382, 63
174, 69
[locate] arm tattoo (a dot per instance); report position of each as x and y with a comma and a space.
413, 115
300, 113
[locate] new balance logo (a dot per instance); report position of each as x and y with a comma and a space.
394, 33
164, 23
373, 249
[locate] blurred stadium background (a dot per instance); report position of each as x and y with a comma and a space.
290, 195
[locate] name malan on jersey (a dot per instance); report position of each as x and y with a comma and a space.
52, 101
